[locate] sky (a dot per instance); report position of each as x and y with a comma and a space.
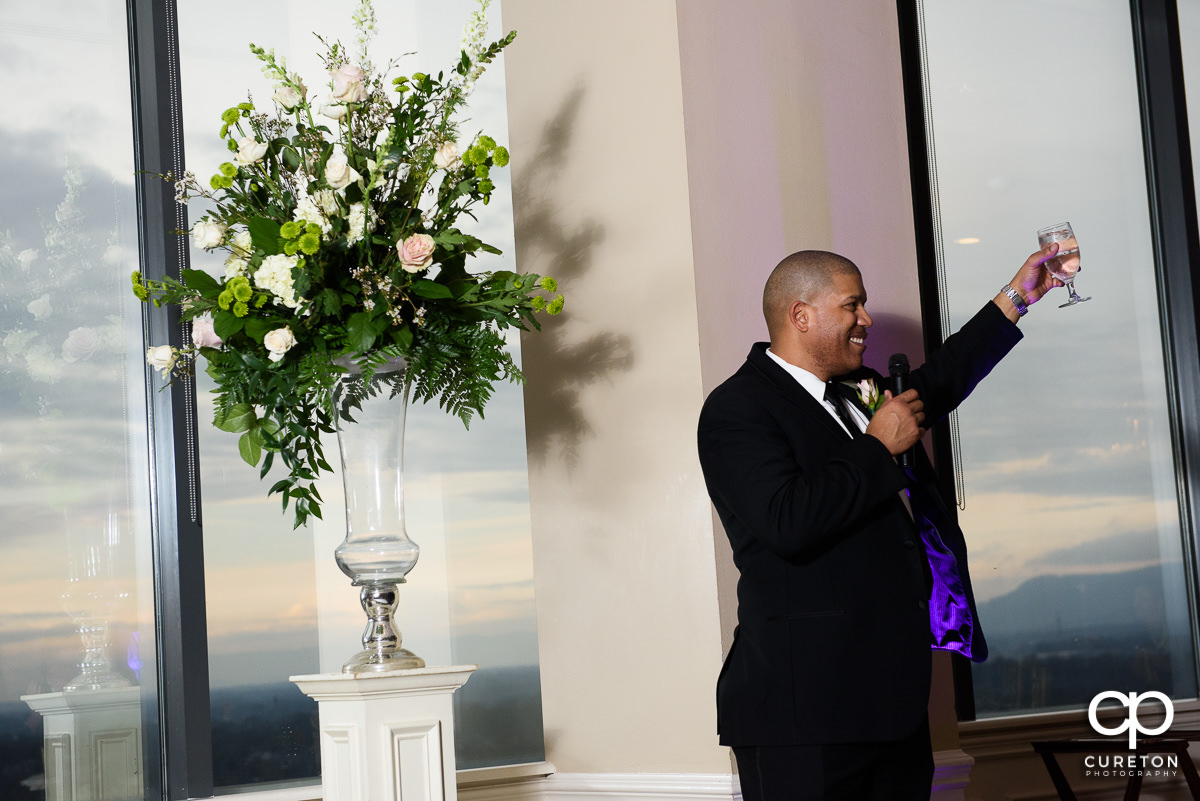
72, 447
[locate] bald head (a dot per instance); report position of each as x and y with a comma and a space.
802, 276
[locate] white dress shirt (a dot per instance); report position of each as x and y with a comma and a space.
816, 387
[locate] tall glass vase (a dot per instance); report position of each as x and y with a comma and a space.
377, 553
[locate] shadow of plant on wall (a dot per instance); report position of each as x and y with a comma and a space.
551, 243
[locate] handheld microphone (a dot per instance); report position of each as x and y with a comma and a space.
898, 370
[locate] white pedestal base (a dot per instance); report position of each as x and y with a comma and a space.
93, 743
387, 736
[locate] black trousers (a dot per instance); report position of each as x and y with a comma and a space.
901, 770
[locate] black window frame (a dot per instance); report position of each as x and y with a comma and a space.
1176, 243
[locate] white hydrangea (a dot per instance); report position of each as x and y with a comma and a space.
361, 222
307, 211
275, 276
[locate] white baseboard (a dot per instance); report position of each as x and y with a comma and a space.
952, 770
611, 787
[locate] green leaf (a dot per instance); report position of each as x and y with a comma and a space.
360, 332
291, 158
426, 289
258, 327
250, 450
201, 281
226, 324
264, 234
239, 417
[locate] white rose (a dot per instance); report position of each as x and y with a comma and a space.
81, 343
161, 358
208, 234
241, 243
334, 111
446, 156
288, 96
279, 342
338, 172
250, 150
40, 308
349, 84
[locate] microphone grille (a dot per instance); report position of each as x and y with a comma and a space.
898, 364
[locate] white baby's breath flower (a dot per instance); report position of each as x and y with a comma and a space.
326, 201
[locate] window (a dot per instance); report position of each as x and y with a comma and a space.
1067, 458
77, 641
91, 456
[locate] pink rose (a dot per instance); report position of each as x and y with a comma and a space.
203, 335
416, 252
349, 84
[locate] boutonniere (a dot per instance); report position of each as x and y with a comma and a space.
868, 394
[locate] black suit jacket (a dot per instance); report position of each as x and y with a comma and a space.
833, 634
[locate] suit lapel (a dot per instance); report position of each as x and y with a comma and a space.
791, 389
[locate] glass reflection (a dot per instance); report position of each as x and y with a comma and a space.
1071, 505
470, 598
76, 615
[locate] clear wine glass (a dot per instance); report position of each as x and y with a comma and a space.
1065, 264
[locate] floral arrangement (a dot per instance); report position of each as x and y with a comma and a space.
340, 217
868, 394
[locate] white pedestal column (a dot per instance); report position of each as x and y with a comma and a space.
93, 743
387, 736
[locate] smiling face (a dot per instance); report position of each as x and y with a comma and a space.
832, 327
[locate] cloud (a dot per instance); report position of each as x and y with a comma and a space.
1118, 549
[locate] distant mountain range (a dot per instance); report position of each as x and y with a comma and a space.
1062, 605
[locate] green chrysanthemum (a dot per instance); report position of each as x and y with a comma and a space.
225, 299
240, 309
230, 115
290, 230
539, 303
240, 287
482, 171
486, 186
500, 157
310, 243
487, 142
549, 284
556, 305
228, 169
215, 181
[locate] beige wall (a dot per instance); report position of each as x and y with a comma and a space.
666, 156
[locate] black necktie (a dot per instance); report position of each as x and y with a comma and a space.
832, 396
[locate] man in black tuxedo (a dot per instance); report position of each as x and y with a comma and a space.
851, 567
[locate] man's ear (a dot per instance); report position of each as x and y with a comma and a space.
798, 316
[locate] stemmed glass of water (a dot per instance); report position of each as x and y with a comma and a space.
1065, 263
